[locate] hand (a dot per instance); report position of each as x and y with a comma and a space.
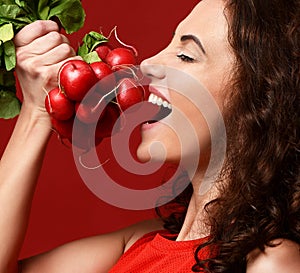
41, 50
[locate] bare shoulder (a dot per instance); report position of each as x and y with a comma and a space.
140, 229
94, 254
285, 257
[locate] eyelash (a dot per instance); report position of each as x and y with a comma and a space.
185, 58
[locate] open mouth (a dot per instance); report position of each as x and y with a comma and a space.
165, 108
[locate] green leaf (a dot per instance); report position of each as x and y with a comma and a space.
9, 104
90, 42
44, 13
7, 2
96, 39
83, 50
70, 13
9, 55
6, 33
12, 13
29, 8
96, 44
43, 9
97, 36
91, 57
20, 3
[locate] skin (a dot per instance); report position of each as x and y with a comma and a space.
40, 52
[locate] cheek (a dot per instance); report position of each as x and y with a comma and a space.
193, 128
217, 81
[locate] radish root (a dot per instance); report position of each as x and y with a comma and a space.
114, 30
88, 167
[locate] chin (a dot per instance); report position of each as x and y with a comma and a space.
157, 152
142, 155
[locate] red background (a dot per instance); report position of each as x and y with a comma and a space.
63, 208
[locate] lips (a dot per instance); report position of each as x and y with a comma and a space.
158, 93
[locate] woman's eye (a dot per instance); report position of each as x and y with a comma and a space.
185, 58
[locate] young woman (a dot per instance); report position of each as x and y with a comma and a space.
246, 54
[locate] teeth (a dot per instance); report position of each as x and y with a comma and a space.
159, 101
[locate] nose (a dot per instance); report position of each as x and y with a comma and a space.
153, 68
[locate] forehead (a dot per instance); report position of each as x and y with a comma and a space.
207, 19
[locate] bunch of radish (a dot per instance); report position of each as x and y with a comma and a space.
94, 93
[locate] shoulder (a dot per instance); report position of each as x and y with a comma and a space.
140, 229
284, 257
96, 254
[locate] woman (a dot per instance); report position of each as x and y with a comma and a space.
246, 54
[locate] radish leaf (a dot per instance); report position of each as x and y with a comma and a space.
12, 13
89, 43
70, 13
43, 9
6, 33
9, 55
92, 57
9, 104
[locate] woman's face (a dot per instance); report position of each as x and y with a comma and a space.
199, 50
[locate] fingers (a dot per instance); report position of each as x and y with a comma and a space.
33, 31
45, 47
44, 43
41, 50
45, 50
58, 54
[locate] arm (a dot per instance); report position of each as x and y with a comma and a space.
40, 52
89, 255
282, 258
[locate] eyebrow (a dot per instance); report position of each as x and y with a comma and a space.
195, 39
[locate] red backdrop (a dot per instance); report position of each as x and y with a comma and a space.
64, 209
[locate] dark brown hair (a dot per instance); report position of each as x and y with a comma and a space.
261, 199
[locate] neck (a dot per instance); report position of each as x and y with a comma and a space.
196, 224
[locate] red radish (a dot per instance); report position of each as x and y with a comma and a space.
90, 109
83, 136
120, 57
63, 127
101, 69
108, 120
102, 51
84, 112
129, 93
58, 105
107, 80
76, 79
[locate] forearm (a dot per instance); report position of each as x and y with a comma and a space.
19, 169
41, 50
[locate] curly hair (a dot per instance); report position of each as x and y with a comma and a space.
260, 200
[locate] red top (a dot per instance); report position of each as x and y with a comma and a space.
158, 252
